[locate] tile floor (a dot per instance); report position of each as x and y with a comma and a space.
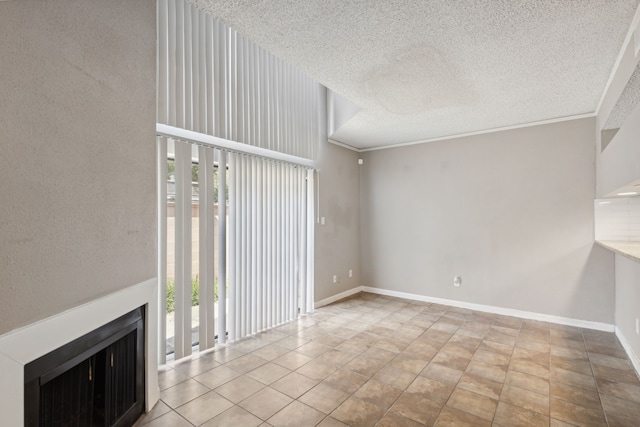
372, 360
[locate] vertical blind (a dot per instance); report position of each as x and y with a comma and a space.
215, 83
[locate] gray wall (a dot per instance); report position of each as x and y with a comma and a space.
77, 217
511, 212
337, 243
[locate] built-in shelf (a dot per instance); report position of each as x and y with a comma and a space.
629, 250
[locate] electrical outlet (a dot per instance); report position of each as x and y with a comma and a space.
350, 273
335, 279
457, 281
637, 326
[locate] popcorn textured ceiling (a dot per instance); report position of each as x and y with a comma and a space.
428, 69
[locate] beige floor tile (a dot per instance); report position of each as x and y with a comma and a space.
294, 384
496, 347
196, 365
378, 359
217, 376
226, 354
246, 363
351, 347
526, 399
234, 417
612, 374
332, 340
492, 372
607, 349
610, 361
527, 382
268, 373
170, 419
577, 415
558, 423
514, 416
346, 380
417, 407
358, 413
614, 405
394, 420
379, 394
364, 366
530, 368
569, 353
331, 422
271, 351
296, 414
451, 360
574, 365
317, 370
158, 410
336, 358
422, 349
573, 378
535, 345
450, 417
579, 396
183, 392
621, 390
481, 385
265, 402
292, 343
378, 354
441, 373
292, 360
526, 355
170, 377
313, 349
204, 408
617, 420
473, 403
395, 377
492, 358
409, 363
431, 389
324, 398
437, 336
239, 388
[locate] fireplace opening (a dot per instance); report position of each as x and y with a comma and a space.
95, 380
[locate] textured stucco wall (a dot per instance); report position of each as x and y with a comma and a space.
77, 216
510, 212
337, 243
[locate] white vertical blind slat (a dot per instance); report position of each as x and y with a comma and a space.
222, 247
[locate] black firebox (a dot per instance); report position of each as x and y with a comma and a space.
95, 380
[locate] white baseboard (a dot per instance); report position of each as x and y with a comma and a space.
635, 360
495, 310
337, 297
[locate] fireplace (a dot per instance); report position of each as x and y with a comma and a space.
95, 380
38, 341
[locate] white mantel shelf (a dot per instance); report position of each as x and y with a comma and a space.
630, 250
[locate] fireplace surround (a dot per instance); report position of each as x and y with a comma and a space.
24, 345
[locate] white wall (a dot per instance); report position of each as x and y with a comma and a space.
337, 243
77, 217
510, 212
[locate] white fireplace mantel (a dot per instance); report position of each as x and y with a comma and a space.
23, 345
